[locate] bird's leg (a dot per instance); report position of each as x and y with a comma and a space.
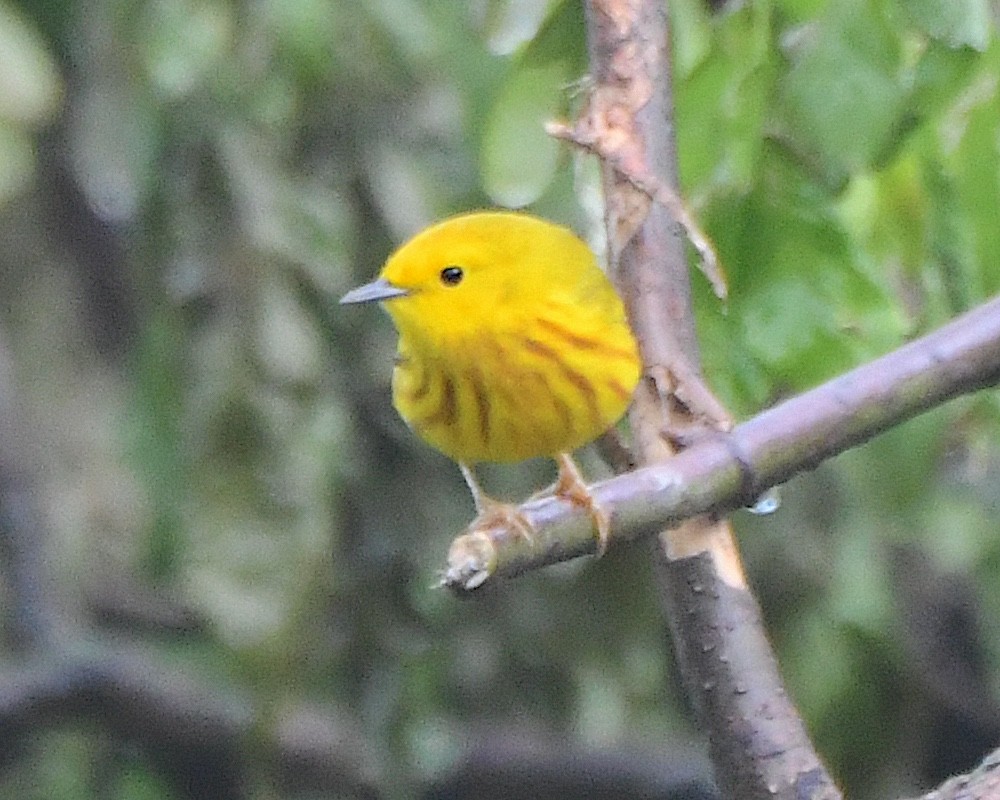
493, 512
571, 486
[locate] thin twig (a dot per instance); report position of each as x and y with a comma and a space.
583, 136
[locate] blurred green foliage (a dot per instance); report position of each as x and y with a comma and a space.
186, 186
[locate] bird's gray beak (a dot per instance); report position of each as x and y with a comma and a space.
373, 292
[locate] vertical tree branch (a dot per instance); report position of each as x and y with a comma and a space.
758, 742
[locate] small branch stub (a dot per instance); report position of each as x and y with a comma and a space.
604, 145
472, 559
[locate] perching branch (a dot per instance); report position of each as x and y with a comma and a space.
728, 471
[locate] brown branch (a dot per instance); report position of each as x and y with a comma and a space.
757, 740
730, 470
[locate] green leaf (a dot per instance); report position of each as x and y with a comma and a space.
185, 43
960, 23
799, 10
939, 76
843, 98
691, 34
511, 23
805, 301
722, 104
30, 87
518, 158
972, 153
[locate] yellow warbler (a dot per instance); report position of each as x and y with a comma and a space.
512, 345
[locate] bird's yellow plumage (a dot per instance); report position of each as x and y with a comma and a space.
512, 341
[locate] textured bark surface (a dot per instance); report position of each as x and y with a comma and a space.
758, 743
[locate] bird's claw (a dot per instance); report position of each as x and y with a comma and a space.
497, 514
571, 486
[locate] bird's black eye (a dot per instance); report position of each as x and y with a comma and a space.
452, 276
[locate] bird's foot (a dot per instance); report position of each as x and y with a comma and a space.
493, 513
571, 486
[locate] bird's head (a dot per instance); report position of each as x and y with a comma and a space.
474, 271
